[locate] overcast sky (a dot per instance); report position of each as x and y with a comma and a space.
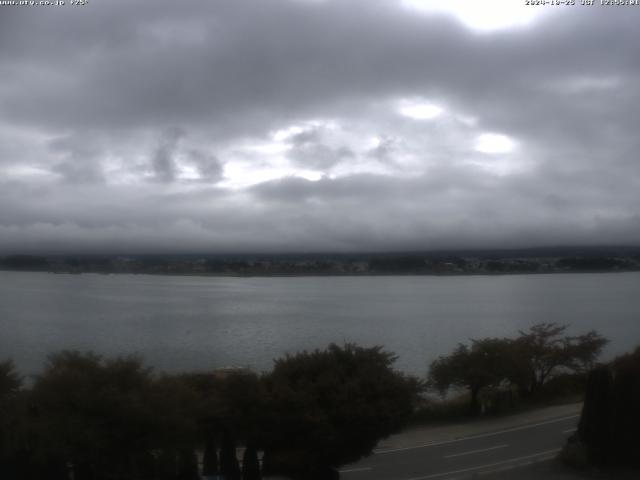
317, 125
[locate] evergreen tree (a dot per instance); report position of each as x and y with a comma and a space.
268, 467
594, 428
610, 419
210, 458
188, 465
626, 411
229, 466
250, 464
167, 465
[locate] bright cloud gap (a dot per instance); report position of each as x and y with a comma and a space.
483, 16
494, 143
419, 110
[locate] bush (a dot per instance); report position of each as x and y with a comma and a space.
564, 386
113, 418
341, 400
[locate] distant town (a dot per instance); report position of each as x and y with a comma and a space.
485, 262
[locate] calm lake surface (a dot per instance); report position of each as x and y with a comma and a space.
181, 323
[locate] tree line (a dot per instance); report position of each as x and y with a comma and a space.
525, 364
92, 418
88, 417
488, 262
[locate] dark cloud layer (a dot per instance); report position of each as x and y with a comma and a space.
314, 125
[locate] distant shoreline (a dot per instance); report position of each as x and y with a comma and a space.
335, 274
334, 265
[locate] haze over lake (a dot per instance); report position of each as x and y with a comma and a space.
183, 323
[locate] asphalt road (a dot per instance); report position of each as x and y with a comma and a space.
482, 454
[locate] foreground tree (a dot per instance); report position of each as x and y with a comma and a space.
108, 418
476, 367
228, 401
341, 401
229, 466
188, 465
543, 351
10, 425
527, 362
250, 464
210, 457
626, 408
92, 413
610, 420
595, 422
10, 381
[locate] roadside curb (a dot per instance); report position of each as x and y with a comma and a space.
421, 436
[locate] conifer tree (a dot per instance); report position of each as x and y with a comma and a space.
229, 466
188, 465
210, 459
594, 428
250, 464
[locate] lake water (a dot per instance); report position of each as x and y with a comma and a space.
181, 323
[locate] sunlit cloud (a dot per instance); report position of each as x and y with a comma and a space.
269, 148
494, 143
238, 176
26, 172
286, 133
419, 109
487, 15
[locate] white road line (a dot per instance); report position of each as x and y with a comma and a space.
515, 465
361, 469
488, 465
472, 437
570, 430
475, 451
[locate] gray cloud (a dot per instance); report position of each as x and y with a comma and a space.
385, 149
209, 166
162, 162
78, 161
128, 127
308, 149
